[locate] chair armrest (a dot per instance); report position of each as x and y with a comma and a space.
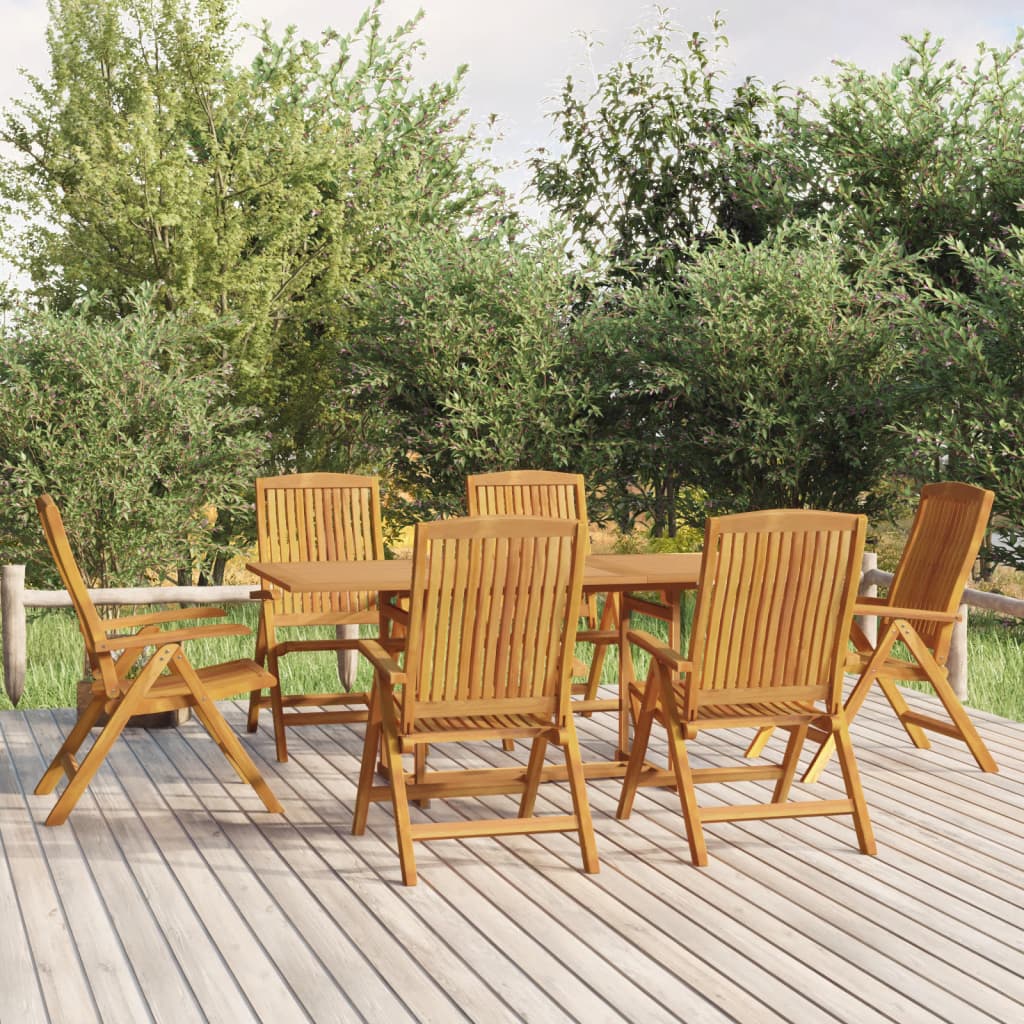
172, 636
382, 661
658, 649
154, 618
890, 611
261, 595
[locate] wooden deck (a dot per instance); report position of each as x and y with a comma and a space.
173, 896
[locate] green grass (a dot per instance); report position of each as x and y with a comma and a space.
55, 660
995, 664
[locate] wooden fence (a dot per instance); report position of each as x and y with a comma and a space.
14, 599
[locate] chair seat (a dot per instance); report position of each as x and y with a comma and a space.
753, 710
482, 727
772, 709
503, 724
220, 681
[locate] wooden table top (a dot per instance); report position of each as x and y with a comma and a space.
601, 573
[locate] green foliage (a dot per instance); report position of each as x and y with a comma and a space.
969, 369
925, 154
134, 444
765, 375
467, 347
262, 196
648, 155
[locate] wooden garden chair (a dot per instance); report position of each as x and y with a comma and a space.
919, 612
492, 624
129, 680
313, 517
767, 647
533, 492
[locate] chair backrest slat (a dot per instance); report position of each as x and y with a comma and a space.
527, 492
89, 622
940, 552
489, 610
774, 603
316, 517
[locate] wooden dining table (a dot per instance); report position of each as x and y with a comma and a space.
615, 574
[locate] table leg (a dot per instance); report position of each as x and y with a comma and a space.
672, 597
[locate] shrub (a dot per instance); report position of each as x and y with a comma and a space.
136, 447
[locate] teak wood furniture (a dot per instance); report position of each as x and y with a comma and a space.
919, 611
535, 492
312, 517
165, 679
767, 647
670, 573
492, 623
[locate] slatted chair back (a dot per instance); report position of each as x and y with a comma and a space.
89, 622
489, 626
536, 492
316, 517
527, 492
940, 552
774, 606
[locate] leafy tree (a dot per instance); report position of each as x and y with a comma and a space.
764, 376
926, 154
969, 376
138, 448
646, 161
467, 347
261, 196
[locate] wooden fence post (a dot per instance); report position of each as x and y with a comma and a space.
348, 661
12, 608
957, 664
868, 623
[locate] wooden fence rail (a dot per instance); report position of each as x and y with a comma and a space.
14, 599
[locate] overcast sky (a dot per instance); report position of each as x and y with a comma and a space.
519, 52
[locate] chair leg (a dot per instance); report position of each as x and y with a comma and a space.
69, 748
252, 718
277, 710
760, 741
127, 707
853, 704
420, 769
223, 735
968, 732
851, 781
685, 785
789, 763
371, 747
939, 680
892, 694
580, 804
256, 696
533, 770
637, 754
399, 799
508, 744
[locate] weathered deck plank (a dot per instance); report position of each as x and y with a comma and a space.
172, 895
